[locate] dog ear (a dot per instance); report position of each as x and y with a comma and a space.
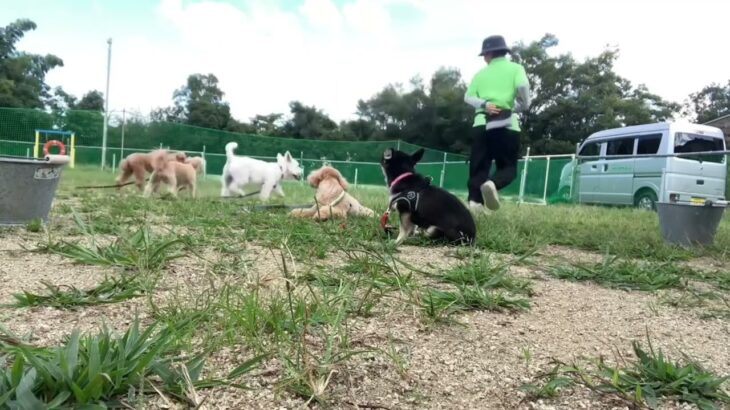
314, 178
417, 155
340, 179
388, 154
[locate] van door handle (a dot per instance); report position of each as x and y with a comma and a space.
594, 166
700, 182
605, 167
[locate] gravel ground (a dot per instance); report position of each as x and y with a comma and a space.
478, 363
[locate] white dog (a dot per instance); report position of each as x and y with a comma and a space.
240, 172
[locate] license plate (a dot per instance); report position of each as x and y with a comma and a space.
698, 201
47, 173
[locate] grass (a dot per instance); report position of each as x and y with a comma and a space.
139, 250
96, 370
646, 380
627, 275
514, 229
110, 290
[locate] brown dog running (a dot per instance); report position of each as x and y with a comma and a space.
332, 197
139, 164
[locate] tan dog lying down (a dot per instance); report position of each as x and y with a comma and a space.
139, 164
177, 176
332, 198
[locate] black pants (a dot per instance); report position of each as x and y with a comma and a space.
500, 145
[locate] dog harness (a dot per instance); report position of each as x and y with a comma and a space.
410, 198
337, 200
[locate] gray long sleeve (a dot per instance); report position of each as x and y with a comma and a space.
522, 98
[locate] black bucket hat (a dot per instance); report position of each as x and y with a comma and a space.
494, 43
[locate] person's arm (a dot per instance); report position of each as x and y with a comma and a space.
522, 97
470, 97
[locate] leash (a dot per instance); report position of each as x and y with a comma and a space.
105, 186
242, 196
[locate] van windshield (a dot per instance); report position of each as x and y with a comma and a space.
685, 142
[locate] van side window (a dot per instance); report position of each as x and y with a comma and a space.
649, 144
591, 149
622, 146
685, 142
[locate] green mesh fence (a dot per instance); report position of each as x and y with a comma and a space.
357, 160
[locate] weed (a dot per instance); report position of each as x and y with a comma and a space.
484, 273
648, 379
96, 369
626, 275
34, 225
110, 290
139, 250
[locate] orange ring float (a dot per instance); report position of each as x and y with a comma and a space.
54, 143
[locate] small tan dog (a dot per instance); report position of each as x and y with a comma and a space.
139, 164
333, 200
177, 176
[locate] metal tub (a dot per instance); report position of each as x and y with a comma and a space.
687, 224
27, 188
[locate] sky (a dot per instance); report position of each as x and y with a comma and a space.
330, 53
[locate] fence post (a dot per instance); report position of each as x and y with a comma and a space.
397, 146
114, 161
37, 144
124, 125
301, 164
524, 176
443, 172
205, 164
547, 173
356, 177
27, 152
572, 176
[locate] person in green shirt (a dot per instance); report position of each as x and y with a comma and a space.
497, 92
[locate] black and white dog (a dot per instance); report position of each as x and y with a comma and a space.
437, 211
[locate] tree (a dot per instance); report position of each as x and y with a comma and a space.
435, 116
308, 122
573, 99
91, 101
270, 125
200, 102
22, 75
711, 102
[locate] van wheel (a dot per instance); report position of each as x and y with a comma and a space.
645, 200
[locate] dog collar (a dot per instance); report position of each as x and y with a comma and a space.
401, 177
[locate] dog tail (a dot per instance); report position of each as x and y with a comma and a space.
159, 161
124, 171
230, 147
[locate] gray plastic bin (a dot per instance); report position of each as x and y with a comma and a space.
27, 188
687, 224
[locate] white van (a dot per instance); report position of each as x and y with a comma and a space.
635, 178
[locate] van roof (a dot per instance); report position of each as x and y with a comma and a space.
658, 126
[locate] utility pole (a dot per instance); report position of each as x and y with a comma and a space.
106, 103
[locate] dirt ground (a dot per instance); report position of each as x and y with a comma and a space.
477, 364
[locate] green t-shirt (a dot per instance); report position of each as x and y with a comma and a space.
498, 83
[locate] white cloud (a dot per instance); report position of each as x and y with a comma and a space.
331, 55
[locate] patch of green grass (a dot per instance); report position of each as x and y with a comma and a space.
646, 380
628, 275
485, 273
35, 225
96, 370
110, 290
139, 250
437, 303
